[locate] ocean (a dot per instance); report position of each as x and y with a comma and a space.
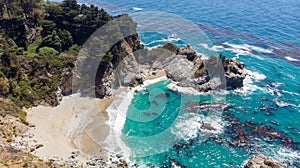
162, 125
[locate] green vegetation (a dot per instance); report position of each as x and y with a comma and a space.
39, 40
9, 108
224, 59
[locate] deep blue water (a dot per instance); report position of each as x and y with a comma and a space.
265, 35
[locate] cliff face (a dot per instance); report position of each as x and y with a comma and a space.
123, 57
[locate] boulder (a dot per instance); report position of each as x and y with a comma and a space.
137, 80
261, 161
202, 75
188, 51
171, 47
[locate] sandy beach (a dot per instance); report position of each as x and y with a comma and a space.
69, 127
78, 125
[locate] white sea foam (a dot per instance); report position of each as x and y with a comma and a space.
283, 154
291, 59
239, 49
169, 39
156, 41
248, 84
256, 75
282, 103
291, 93
246, 49
259, 49
213, 48
188, 125
173, 37
137, 9
249, 48
117, 116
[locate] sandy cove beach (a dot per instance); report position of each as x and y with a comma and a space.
77, 128
69, 127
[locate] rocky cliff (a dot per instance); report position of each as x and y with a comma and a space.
121, 69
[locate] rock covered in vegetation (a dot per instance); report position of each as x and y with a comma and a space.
261, 161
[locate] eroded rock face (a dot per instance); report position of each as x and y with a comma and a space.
121, 70
261, 161
66, 81
179, 69
105, 86
234, 73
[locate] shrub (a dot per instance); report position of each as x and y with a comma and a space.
8, 107
4, 86
48, 51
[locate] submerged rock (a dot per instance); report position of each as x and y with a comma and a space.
261, 161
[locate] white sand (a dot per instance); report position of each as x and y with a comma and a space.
76, 124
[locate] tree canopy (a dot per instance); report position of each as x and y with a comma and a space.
39, 40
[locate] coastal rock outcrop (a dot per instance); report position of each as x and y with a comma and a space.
235, 73
261, 161
188, 69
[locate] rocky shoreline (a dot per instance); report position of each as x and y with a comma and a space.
190, 71
38, 67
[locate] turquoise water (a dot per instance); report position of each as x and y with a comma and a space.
153, 137
263, 34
